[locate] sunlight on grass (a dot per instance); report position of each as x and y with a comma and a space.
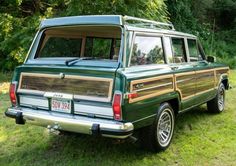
233, 78
4, 82
3, 136
4, 87
200, 139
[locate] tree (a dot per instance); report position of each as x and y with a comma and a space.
19, 19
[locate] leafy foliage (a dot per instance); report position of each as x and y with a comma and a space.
213, 20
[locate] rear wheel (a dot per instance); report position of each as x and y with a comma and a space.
158, 136
217, 104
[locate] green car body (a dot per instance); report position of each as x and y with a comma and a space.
92, 84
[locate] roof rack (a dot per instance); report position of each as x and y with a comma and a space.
150, 23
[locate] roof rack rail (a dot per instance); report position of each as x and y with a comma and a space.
145, 22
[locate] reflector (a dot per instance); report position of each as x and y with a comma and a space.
12, 93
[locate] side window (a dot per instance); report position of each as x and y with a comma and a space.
168, 49
178, 50
147, 50
194, 54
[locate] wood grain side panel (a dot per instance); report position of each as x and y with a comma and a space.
151, 87
186, 85
205, 81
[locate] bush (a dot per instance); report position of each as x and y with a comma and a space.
19, 21
207, 19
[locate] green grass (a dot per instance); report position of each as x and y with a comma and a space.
200, 139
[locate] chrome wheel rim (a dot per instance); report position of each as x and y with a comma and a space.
221, 99
165, 127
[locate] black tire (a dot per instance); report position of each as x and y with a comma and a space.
158, 136
217, 104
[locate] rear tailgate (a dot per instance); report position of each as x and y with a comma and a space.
86, 90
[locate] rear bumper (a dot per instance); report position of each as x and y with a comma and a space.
73, 123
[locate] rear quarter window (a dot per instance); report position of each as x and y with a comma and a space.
147, 50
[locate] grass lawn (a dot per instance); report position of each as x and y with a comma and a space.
200, 139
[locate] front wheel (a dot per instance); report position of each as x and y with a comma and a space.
217, 104
158, 136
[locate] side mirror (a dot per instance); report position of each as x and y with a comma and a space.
211, 59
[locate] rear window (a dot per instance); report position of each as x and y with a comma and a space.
96, 42
105, 48
61, 47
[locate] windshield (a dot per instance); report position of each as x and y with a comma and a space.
97, 42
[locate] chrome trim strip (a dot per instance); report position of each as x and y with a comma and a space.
30, 101
155, 78
58, 95
153, 87
196, 94
74, 123
93, 115
102, 99
144, 118
184, 80
33, 92
222, 68
90, 109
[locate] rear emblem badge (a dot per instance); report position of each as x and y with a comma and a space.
62, 75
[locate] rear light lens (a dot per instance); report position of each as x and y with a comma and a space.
132, 95
117, 106
12, 93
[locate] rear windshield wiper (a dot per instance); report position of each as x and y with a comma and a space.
75, 60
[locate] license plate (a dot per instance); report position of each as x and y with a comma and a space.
61, 105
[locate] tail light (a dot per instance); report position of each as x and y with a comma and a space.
117, 106
12, 93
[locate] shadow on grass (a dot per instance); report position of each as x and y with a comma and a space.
86, 150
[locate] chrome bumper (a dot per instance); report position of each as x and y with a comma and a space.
69, 122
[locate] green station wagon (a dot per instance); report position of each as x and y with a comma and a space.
112, 76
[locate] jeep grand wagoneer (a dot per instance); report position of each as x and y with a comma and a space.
113, 75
